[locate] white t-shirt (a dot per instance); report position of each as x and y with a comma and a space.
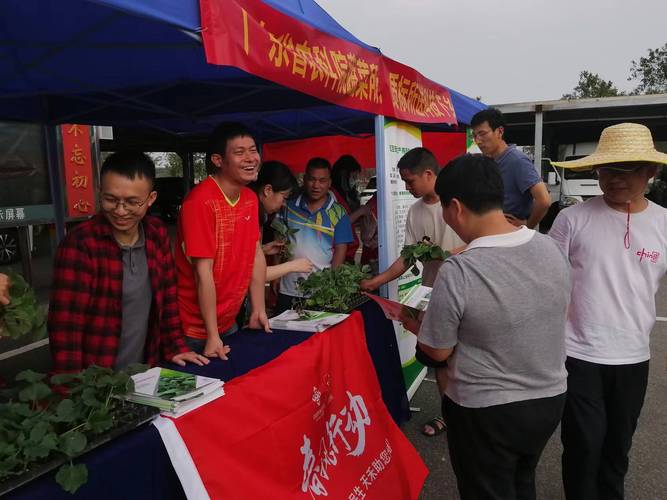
612, 308
425, 219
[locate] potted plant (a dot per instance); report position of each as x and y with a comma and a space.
333, 290
42, 428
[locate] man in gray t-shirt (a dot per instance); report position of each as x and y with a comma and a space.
502, 310
497, 316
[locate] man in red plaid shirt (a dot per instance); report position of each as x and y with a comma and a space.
113, 300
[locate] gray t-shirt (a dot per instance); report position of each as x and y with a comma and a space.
137, 300
501, 304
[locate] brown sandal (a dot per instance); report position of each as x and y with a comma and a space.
437, 425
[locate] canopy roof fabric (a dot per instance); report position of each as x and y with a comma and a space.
142, 64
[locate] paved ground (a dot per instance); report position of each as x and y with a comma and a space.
647, 478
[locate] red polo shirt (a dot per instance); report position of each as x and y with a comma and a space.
212, 227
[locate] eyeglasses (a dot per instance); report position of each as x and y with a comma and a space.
481, 133
112, 203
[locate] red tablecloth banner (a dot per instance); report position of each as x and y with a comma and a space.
309, 424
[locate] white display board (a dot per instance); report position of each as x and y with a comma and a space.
392, 140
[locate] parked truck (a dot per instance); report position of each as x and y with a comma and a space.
568, 187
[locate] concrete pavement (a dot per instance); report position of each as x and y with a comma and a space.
647, 477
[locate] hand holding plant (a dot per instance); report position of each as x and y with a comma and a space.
424, 251
23, 314
283, 234
273, 248
302, 265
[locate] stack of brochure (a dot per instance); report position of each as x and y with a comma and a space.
410, 307
174, 392
306, 321
418, 297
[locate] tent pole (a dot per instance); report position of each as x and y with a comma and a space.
384, 219
55, 179
188, 170
538, 140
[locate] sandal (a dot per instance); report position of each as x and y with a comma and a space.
437, 425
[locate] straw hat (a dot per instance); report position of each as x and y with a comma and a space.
626, 142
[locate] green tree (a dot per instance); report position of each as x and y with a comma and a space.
174, 165
199, 166
592, 85
651, 72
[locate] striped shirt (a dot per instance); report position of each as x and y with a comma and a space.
318, 233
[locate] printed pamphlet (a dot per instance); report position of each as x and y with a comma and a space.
306, 321
173, 391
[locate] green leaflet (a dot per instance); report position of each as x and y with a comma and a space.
72, 477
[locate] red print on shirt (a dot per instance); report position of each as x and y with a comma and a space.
652, 256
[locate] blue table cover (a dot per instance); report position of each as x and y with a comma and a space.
136, 465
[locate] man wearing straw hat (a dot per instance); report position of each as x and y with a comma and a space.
617, 247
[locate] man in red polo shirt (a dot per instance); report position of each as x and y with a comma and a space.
218, 253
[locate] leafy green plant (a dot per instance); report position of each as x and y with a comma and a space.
23, 315
284, 233
333, 290
424, 251
38, 424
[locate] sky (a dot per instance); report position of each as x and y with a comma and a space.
509, 50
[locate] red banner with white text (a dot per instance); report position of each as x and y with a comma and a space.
263, 41
309, 424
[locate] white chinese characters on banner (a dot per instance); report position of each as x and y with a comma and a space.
377, 466
15, 214
341, 429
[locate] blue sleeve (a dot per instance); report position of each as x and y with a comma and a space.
525, 174
343, 231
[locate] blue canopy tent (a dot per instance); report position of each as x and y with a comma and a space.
142, 64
